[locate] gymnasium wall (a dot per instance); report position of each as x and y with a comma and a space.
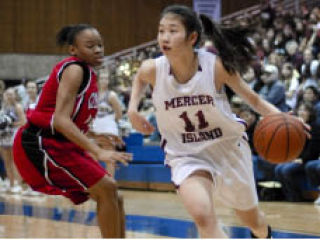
28, 28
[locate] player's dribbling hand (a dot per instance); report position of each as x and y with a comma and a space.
114, 157
306, 126
140, 123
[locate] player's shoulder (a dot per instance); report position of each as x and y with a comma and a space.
147, 70
148, 65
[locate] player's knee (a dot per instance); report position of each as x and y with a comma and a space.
105, 188
203, 217
109, 186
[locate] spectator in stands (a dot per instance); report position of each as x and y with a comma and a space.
267, 16
273, 90
2, 89
266, 46
291, 83
307, 59
312, 169
21, 92
104, 129
270, 35
32, 95
15, 116
250, 77
288, 33
30, 104
288, 173
306, 81
275, 58
310, 94
279, 41
293, 55
299, 29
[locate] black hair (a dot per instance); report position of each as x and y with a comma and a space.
188, 17
246, 108
315, 91
232, 43
310, 108
68, 33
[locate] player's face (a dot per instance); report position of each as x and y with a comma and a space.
172, 35
89, 47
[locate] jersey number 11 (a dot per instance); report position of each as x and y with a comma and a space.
189, 127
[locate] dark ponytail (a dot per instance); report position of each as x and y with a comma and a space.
232, 44
67, 34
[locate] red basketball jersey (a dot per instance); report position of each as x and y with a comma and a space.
86, 104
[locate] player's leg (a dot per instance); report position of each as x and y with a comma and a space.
243, 178
196, 193
122, 217
255, 219
108, 213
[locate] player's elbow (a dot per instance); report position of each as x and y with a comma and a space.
59, 121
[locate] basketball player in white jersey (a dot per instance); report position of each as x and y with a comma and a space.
204, 143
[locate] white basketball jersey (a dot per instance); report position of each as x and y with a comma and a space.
192, 116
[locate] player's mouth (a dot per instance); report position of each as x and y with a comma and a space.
166, 48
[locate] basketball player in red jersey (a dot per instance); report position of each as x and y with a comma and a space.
51, 150
204, 142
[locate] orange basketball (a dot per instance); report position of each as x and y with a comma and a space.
279, 138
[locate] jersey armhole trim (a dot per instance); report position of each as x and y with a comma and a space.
86, 75
159, 65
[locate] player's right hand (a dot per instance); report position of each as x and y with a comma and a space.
306, 126
113, 157
140, 123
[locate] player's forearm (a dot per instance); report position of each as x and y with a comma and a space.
67, 128
264, 108
138, 88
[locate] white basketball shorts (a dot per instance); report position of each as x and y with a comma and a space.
230, 164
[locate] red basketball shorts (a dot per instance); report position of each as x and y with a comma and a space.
55, 165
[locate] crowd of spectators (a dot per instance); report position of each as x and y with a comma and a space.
287, 74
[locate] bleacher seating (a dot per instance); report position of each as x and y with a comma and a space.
147, 170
